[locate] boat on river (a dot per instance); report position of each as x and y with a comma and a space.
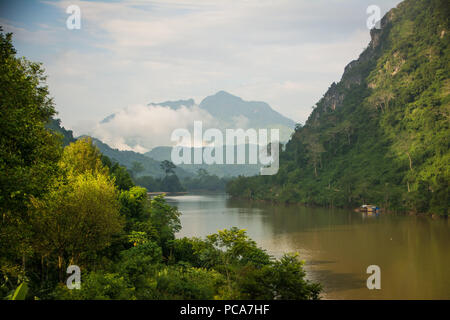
368, 208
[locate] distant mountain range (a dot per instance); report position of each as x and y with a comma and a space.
228, 112
151, 161
127, 158
220, 170
175, 105
232, 112
124, 158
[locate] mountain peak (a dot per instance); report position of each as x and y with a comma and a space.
177, 104
223, 93
224, 96
234, 111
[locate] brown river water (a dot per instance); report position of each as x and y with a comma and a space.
338, 245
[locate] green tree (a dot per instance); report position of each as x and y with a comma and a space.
283, 279
134, 205
98, 286
28, 152
171, 183
76, 219
315, 150
82, 156
168, 167
137, 168
166, 220
188, 283
150, 183
122, 177
139, 264
237, 249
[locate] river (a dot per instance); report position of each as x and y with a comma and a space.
338, 245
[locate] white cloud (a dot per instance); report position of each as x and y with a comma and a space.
141, 128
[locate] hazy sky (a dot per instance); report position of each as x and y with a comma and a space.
132, 52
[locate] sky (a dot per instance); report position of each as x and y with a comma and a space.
131, 52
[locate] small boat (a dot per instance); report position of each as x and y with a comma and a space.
368, 208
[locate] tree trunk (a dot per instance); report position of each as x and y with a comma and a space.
410, 161
42, 269
23, 262
60, 261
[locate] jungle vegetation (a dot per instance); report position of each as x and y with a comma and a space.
381, 135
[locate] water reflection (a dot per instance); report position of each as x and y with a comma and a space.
337, 245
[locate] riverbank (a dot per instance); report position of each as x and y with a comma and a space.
337, 244
381, 209
160, 193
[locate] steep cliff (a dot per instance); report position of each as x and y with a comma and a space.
381, 134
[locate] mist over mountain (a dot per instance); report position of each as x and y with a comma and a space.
150, 166
127, 158
175, 105
144, 127
142, 133
221, 170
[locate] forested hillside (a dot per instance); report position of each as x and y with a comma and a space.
150, 167
55, 126
221, 170
381, 135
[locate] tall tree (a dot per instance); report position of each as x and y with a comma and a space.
82, 156
137, 168
76, 219
28, 152
80, 213
168, 167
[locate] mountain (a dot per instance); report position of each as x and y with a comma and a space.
381, 134
150, 166
228, 112
175, 105
234, 112
228, 107
128, 158
55, 126
220, 170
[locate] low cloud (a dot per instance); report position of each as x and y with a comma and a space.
140, 128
